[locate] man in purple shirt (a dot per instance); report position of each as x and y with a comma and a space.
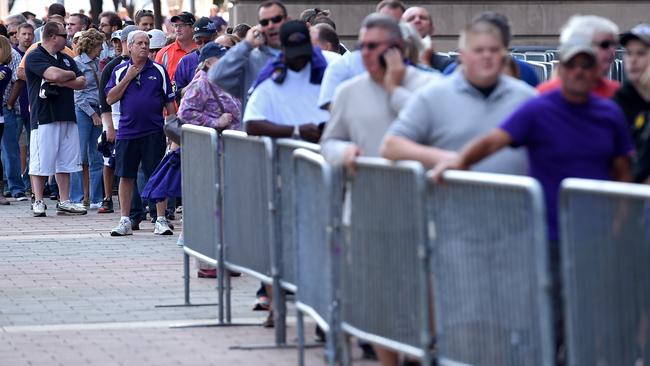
568, 133
143, 89
204, 32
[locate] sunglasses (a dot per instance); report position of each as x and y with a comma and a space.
137, 81
371, 46
607, 44
413, 17
11, 34
275, 20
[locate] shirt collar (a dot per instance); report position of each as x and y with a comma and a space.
463, 85
84, 58
147, 64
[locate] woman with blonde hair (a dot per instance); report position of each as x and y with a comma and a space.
87, 188
5, 79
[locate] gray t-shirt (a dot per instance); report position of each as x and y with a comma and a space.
450, 113
363, 110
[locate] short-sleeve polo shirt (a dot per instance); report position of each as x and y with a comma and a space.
54, 108
142, 104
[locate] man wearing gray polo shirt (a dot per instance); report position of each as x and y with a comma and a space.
442, 117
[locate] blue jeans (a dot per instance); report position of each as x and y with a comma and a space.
11, 152
88, 135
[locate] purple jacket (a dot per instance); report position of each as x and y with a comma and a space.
199, 106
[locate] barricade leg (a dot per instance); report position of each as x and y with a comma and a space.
347, 350
186, 287
300, 326
279, 312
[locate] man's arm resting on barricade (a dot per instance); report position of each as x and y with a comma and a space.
308, 131
401, 148
475, 151
621, 169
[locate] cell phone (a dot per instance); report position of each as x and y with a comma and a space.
382, 59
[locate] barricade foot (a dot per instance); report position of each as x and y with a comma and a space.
186, 305
215, 324
274, 346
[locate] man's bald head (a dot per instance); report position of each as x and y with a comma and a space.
420, 19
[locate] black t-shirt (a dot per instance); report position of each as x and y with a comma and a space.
637, 116
54, 108
103, 80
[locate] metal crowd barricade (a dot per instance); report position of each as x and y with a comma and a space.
248, 218
540, 70
384, 275
605, 230
284, 149
317, 203
490, 270
200, 179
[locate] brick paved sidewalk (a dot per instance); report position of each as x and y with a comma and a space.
72, 295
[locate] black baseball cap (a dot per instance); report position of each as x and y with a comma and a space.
204, 27
185, 17
212, 50
295, 39
640, 32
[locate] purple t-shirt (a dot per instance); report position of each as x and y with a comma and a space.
141, 106
568, 140
186, 69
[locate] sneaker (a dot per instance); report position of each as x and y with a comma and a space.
269, 323
6, 194
207, 273
107, 207
135, 224
69, 208
95, 206
162, 227
179, 209
20, 196
154, 219
38, 208
123, 228
54, 197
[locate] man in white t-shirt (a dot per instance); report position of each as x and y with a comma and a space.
285, 101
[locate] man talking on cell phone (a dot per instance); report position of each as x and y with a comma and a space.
238, 69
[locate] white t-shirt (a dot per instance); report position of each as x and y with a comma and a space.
294, 102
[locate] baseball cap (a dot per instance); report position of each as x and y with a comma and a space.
185, 17
640, 32
212, 50
204, 27
295, 39
578, 44
117, 35
157, 39
124, 35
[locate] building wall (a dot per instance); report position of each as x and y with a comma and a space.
534, 22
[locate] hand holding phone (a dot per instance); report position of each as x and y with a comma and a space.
255, 37
395, 68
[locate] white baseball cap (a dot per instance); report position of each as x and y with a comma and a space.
157, 39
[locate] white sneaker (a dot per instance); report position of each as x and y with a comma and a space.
38, 209
162, 227
123, 228
69, 208
181, 240
95, 206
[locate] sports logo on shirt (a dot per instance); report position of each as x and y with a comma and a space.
2, 75
152, 78
66, 62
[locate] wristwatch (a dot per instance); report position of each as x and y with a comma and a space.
296, 132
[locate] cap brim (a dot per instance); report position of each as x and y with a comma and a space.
586, 50
203, 34
629, 36
298, 51
175, 18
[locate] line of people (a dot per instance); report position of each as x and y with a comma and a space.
392, 96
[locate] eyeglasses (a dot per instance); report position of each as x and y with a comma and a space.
11, 34
181, 25
369, 45
585, 65
275, 20
607, 44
